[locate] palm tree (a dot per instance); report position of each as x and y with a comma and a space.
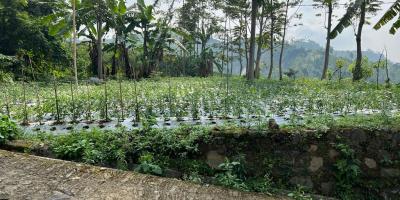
393, 11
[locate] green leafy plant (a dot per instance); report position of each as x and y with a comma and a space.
347, 171
300, 194
147, 165
8, 129
232, 175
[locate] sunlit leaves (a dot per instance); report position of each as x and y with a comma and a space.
393, 11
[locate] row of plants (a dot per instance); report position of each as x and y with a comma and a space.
192, 98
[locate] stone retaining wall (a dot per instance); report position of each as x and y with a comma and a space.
310, 158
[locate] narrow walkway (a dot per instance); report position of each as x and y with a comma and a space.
30, 177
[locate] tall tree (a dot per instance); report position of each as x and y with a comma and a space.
261, 40
328, 5
123, 23
285, 25
254, 10
94, 15
357, 9
271, 36
74, 33
238, 11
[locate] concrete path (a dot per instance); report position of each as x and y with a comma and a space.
30, 177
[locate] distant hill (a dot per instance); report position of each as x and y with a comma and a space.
307, 57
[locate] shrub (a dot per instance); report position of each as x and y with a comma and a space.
8, 130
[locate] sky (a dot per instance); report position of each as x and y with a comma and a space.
313, 28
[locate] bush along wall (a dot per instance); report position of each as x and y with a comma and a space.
348, 163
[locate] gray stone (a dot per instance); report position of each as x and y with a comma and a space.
272, 125
4, 196
95, 80
172, 173
214, 159
316, 163
390, 172
370, 163
313, 148
57, 195
327, 188
303, 181
333, 154
358, 136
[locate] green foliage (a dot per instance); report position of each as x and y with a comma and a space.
147, 165
20, 31
8, 130
347, 172
340, 63
354, 11
233, 175
390, 14
111, 148
366, 68
299, 194
95, 147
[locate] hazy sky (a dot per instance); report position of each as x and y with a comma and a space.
313, 29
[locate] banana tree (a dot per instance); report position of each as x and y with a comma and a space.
123, 22
156, 34
146, 19
393, 11
95, 15
63, 23
358, 9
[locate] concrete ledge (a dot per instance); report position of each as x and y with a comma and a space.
30, 177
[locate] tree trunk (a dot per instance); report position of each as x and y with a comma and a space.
246, 45
254, 9
227, 46
283, 40
223, 51
387, 69
260, 44
99, 49
74, 41
357, 74
114, 58
146, 70
128, 67
93, 55
328, 41
240, 53
271, 43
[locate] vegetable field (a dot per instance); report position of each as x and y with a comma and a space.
167, 102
